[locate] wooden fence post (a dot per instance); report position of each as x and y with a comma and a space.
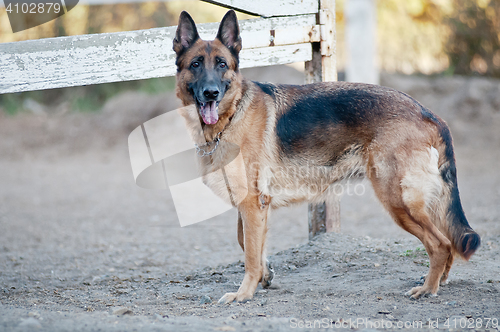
324, 217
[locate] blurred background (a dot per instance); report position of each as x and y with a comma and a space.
428, 37
67, 195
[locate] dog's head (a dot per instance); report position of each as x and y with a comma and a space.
207, 71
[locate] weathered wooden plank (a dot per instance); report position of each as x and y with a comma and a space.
328, 40
278, 55
111, 57
251, 7
316, 215
292, 35
332, 217
269, 8
264, 23
103, 2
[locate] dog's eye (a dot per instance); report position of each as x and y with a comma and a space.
195, 64
222, 65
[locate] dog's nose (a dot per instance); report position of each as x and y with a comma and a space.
211, 93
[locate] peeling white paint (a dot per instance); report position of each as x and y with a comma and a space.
102, 58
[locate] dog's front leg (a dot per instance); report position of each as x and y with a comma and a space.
254, 217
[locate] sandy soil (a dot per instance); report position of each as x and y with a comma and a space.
82, 248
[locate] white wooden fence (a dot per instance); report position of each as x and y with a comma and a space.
123, 56
288, 31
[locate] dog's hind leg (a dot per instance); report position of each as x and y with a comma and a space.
444, 277
267, 269
407, 187
438, 248
449, 263
241, 239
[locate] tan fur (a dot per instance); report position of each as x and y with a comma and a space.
394, 146
411, 196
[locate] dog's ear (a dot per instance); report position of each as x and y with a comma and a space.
186, 34
229, 32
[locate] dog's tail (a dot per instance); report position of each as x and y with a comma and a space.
464, 239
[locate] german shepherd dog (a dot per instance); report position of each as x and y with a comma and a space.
329, 132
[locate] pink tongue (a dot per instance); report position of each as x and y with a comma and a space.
209, 112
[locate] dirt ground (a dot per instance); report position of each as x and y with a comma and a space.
82, 248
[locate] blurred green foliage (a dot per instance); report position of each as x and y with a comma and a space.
473, 46
464, 33
411, 34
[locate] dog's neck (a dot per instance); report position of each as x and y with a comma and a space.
211, 131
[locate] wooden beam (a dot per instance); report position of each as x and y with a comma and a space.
316, 214
332, 215
124, 56
328, 40
270, 8
105, 2
324, 217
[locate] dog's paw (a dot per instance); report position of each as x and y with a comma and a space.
444, 280
268, 277
228, 298
232, 297
417, 292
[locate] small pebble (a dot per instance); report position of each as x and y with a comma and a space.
205, 299
122, 311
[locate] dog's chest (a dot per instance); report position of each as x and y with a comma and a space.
224, 172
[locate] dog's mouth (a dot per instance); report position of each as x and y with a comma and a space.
209, 112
